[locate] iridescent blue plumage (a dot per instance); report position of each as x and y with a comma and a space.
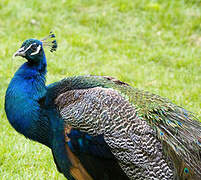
26, 88
99, 127
31, 111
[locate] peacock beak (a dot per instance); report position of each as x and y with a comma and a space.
20, 52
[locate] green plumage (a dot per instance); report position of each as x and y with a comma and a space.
103, 120
177, 129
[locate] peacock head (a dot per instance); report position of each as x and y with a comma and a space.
32, 49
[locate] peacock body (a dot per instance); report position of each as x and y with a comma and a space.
101, 128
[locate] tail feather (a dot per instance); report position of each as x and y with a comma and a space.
181, 133
178, 129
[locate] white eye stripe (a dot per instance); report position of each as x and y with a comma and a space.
28, 48
37, 51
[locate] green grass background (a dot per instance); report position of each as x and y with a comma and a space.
151, 44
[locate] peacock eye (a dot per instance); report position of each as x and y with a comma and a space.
34, 47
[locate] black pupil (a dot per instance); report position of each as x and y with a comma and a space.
34, 47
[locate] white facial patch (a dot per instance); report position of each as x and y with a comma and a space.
28, 48
37, 50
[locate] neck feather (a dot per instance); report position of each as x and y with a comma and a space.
22, 106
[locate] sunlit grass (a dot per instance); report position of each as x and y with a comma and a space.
153, 45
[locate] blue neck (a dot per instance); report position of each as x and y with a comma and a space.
22, 106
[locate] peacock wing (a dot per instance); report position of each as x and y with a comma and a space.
103, 111
149, 121
92, 152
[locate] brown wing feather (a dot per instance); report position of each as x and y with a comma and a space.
77, 170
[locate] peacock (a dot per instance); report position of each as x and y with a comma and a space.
101, 128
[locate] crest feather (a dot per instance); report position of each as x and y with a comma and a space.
50, 41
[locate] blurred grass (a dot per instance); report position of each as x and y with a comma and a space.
151, 44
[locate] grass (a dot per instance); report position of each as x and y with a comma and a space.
150, 44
